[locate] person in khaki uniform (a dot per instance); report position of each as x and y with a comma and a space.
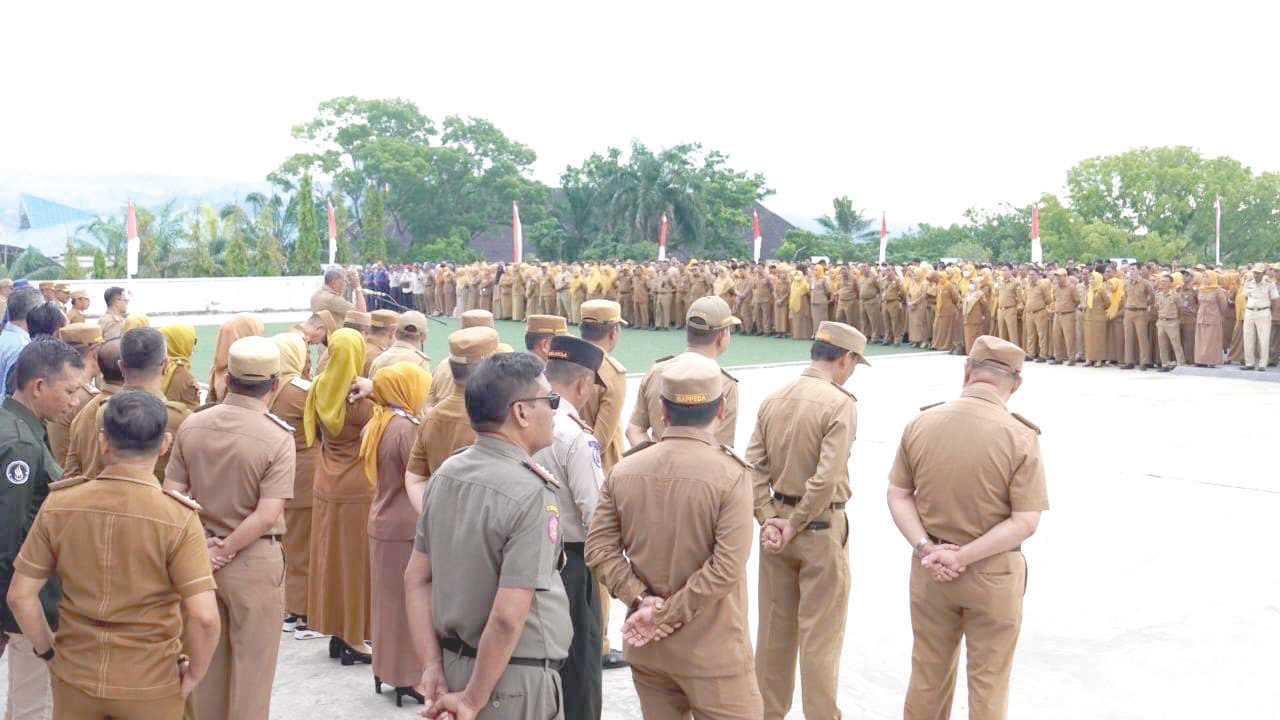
382, 326
79, 303
1035, 317
870, 318
330, 296
708, 326
411, 332
112, 321
800, 456
129, 557
1168, 333
84, 338
680, 510
1259, 292
441, 383
1138, 294
1009, 299
487, 607
891, 294
1066, 299
445, 427
540, 329
967, 529
236, 460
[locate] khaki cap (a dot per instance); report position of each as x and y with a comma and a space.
62, 287
845, 337
1060, 271
253, 358
6, 282
384, 318
546, 325
710, 313
990, 350
412, 321
601, 312
330, 323
1259, 267
45, 285
79, 294
469, 346
358, 317
81, 333
477, 318
691, 379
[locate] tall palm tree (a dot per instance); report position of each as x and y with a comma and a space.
846, 223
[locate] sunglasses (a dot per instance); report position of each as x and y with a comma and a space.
553, 400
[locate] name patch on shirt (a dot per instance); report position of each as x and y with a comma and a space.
596, 452
553, 528
17, 472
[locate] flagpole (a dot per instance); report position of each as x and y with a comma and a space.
1217, 232
884, 235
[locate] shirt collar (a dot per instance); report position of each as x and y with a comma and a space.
246, 402
983, 393
130, 473
17, 330
567, 408
685, 432
498, 446
27, 416
815, 373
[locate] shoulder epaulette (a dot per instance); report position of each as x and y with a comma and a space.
301, 383
616, 365
276, 419
461, 449
637, 448
423, 355
1035, 428
726, 374
846, 392
731, 453
90, 389
543, 474
406, 415
931, 406
204, 407
184, 500
664, 358
65, 483
590, 430
179, 407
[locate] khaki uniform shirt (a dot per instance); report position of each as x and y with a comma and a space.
327, 299
804, 434
74, 316
604, 410
1037, 297
126, 554
517, 546
441, 383
1167, 305
647, 412
681, 511
230, 456
1258, 295
1138, 294
372, 351
399, 352
82, 452
1066, 299
445, 429
112, 325
971, 463
60, 430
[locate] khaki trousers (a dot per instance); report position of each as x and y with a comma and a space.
1064, 336
1257, 338
891, 319
28, 697
804, 597
984, 606
564, 305
1169, 340
869, 319
819, 312
665, 696
643, 318
847, 313
523, 692
1137, 343
762, 315
1036, 328
297, 559
663, 310
251, 602
71, 703
780, 318
1007, 325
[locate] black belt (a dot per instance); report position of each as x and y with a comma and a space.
277, 538
455, 645
794, 500
1258, 309
578, 548
939, 541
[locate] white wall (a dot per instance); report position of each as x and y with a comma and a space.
207, 295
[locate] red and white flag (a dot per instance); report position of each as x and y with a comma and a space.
333, 232
662, 239
132, 244
517, 234
1037, 252
1217, 230
755, 234
884, 235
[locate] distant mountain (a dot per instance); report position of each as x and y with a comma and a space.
108, 194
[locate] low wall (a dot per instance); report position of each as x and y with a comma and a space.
166, 296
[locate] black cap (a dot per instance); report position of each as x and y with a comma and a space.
577, 351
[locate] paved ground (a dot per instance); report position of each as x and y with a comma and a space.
1152, 593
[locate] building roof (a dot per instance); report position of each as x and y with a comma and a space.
47, 225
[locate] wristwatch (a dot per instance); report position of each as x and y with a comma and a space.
920, 544
47, 655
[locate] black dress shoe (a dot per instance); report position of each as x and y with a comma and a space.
612, 660
351, 657
335, 648
402, 692
1126, 367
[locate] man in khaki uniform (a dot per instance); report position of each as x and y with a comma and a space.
665, 298
486, 604
780, 286
967, 528
131, 558
411, 332
441, 381
1066, 300
237, 460
143, 358
891, 293
1259, 292
1008, 299
112, 321
707, 331
445, 428
681, 512
538, 331
1168, 329
869, 316
382, 326
360, 321
1035, 317
800, 455
79, 303
1138, 295
330, 296
84, 337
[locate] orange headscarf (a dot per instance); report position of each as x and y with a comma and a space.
239, 326
402, 386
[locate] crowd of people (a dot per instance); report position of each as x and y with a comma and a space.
465, 527
1136, 315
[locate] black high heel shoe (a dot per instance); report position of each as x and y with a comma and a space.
351, 657
377, 684
335, 647
402, 692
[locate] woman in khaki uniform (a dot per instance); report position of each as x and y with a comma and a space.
798, 306
1212, 300
945, 335
241, 325
400, 392
1096, 301
1115, 321
974, 312
179, 384
338, 588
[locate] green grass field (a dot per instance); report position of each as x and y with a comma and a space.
637, 350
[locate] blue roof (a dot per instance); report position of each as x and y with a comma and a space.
35, 213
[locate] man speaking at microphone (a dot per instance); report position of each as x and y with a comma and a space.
330, 295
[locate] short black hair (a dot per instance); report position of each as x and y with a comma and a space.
143, 349
591, 332
460, 372
496, 383
109, 361
22, 301
699, 415
532, 339
252, 388
826, 352
333, 274
45, 358
700, 337
134, 422
409, 335
563, 371
45, 319
112, 293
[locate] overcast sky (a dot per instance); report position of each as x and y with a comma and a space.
917, 109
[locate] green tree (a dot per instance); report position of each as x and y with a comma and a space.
71, 269
798, 245
373, 245
270, 258
237, 256
342, 255
108, 233
306, 251
201, 231
454, 248
99, 264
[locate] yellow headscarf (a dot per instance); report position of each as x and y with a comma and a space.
1095, 284
327, 399
136, 320
239, 326
180, 342
293, 357
1177, 280
799, 288
1117, 297
402, 385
